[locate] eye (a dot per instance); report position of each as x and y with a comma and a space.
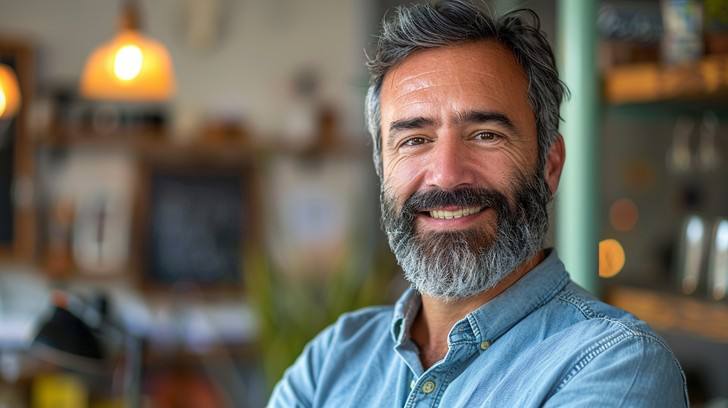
414, 141
486, 136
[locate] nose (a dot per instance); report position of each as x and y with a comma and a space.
449, 166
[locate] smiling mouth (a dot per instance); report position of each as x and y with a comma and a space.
453, 214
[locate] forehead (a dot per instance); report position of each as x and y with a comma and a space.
483, 75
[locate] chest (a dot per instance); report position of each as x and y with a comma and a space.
467, 377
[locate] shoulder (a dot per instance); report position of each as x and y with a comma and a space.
322, 356
362, 322
352, 326
592, 316
607, 342
366, 314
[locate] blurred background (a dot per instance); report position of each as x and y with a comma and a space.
187, 195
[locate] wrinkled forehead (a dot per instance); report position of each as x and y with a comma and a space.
484, 70
473, 54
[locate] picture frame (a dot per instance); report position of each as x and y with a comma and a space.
17, 214
314, 211
195, 223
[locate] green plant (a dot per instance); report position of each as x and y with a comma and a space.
293, 309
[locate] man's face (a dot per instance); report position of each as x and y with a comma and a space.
463, 201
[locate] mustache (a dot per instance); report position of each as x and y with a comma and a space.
463, 197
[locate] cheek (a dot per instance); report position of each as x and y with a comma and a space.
499, 170
518, 157
401, 176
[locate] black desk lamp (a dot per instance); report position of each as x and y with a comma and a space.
69, 341
65, 332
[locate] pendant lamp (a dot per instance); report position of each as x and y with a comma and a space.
130, 67
9, 93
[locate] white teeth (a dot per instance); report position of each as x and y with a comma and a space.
449, 215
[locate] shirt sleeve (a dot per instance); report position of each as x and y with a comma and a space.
638, 371
297, 387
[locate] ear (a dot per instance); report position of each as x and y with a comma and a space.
555, 158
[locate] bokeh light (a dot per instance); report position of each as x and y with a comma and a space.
623, 215
611, 258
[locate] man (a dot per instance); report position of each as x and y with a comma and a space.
463, 109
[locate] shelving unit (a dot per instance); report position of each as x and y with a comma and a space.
652, 82
641, 103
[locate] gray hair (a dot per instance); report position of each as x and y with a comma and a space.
421, 26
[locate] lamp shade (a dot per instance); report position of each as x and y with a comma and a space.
9, 92
130, 67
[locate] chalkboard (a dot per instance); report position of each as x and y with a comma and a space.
196, 228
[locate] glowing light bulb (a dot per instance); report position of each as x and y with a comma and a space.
128, 62
3, 101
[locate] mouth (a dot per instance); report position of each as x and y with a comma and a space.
452, 213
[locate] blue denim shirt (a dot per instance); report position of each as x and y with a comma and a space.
542, 342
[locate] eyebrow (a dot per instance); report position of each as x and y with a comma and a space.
418, 122
474, 116
484, 117
411, 123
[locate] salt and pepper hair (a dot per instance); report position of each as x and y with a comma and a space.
421, 26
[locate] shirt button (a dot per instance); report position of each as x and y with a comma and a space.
484, 345
428, 387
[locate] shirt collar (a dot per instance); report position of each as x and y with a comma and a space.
405, 311
494, 318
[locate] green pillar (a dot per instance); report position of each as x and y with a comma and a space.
577, 222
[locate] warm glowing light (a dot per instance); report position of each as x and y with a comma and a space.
623, 215
3, 104
128, 62
9, 93
130, 67
611, 258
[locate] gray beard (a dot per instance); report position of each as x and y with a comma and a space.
459, 264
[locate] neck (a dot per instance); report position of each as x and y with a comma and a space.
437, 316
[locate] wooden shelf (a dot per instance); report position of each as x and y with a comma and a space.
651, 82
666, 311
159, 144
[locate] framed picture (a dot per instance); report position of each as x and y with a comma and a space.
317, 211
17, 221
196, 220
